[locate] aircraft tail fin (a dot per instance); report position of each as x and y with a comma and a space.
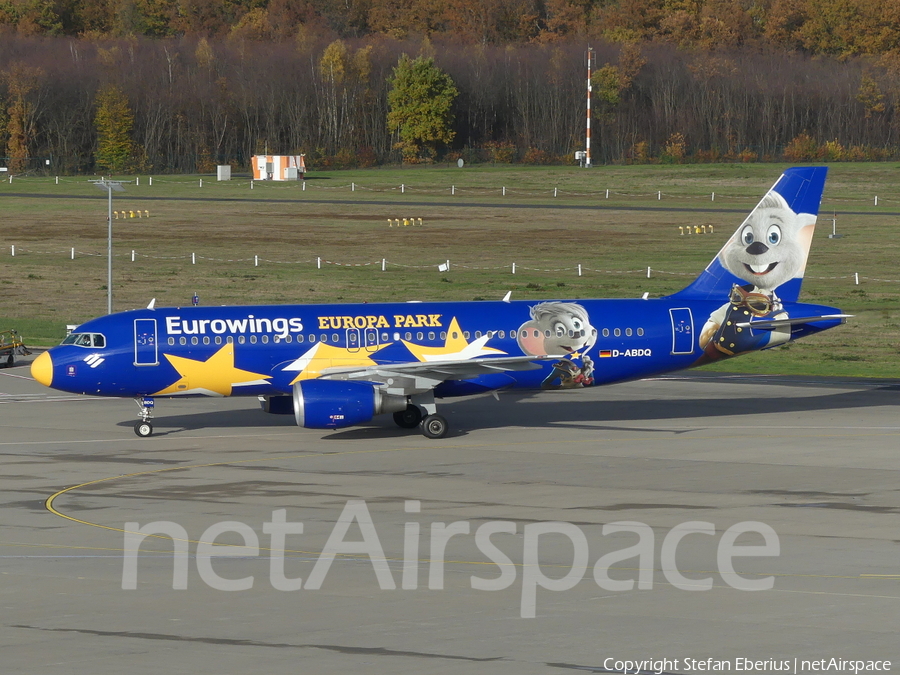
768, 252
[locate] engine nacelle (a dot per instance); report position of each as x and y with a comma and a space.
332, 404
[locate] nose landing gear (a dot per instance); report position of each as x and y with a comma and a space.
144, 428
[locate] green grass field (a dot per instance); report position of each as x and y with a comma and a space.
482, 231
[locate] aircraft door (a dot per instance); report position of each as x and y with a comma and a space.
146, 350
353, 339
371, 337
682, 330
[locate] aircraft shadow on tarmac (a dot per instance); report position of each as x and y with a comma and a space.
554, 410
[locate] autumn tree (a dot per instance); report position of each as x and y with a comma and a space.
420, 106
610, 84
344, 84
21, 82
114, 122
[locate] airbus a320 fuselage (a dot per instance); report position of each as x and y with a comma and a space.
337, 365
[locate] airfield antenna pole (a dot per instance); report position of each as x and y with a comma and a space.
587, 155
110, 186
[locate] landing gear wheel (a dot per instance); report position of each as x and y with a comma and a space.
143, 429
434, 426
409, 418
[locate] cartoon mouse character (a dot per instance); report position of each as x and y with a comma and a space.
560, 328
769, 249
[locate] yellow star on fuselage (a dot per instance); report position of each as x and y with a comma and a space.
214, 377
456, 347
322, 356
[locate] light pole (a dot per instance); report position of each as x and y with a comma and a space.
587, 144
110, 186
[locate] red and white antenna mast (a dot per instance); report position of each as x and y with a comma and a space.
587, 150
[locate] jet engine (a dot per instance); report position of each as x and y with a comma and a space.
332, 404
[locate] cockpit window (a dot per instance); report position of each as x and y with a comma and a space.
85, 340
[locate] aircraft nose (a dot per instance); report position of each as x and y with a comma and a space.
42, 369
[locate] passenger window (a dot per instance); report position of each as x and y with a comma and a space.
420, 335
443, 335
431, 335
252, 339
229, 340
606, 332
537, 333
477, 333
288, 339
617, 332
547, 333
502, 334
640, 331
218, 339
241, 339
323, 338
408, 336
334, 338
312, 337
182, 340
171, 341
265, 339
385, 337
466, 334
628, 332
206, 339
194, 340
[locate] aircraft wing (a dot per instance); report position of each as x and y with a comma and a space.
417, 377
772, 324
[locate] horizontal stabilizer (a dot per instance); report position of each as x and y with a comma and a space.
772, 324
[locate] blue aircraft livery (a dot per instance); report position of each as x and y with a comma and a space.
333, 366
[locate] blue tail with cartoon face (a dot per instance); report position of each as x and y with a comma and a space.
767, 254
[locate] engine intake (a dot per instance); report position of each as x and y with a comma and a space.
332, 404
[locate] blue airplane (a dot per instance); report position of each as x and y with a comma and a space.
338, 365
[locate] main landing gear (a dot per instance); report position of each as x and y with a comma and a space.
431, 424
144, 428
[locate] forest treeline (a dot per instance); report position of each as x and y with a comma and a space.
180, 86
834, 27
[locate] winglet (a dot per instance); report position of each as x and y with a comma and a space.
507, 296
152, 304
